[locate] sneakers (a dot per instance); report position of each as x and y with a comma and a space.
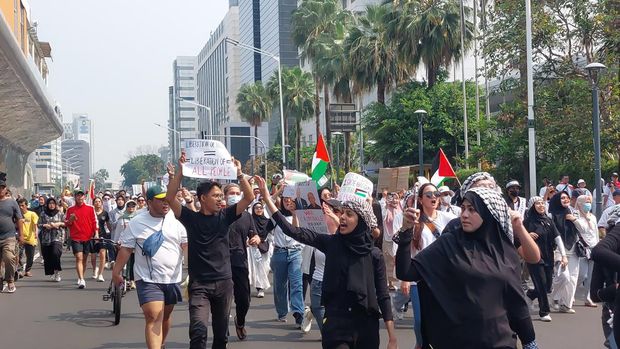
545, 318
108, 266
260, 294
306, 323
100, 278
299, 318
81, 284
281, 319
566, 310
95, 273
9, 288
241, 332
57, 277
132, 285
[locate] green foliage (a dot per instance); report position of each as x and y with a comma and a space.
100, 177
142, 168
394, 127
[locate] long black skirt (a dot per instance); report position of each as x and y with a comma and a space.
51, 257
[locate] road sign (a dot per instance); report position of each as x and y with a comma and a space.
342, 117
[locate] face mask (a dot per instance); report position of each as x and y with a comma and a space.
587, 207
446, 199
513, 193
233, 199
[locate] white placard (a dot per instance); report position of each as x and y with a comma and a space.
136, 189
165, 179
355, 187
308, 207
208, 159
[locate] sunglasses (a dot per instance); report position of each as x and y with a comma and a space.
258, 207
140, 200
431, 194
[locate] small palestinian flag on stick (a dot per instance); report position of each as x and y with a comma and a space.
320, 161
442, 169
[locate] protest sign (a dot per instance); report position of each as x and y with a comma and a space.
208, 159
393, 179
355, 188
308, 208
136, 189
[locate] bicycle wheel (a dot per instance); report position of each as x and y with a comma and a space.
118, 296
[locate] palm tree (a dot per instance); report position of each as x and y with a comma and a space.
298, 97
373, 55
429, 31
254, 105
315, 24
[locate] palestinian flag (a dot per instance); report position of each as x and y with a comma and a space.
320, 161
442, 169
91, 191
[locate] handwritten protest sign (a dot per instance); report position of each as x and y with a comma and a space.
291, 178
208, 159
355, 188
136, 189
308, 207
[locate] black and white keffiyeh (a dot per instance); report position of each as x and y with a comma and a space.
364, 210
498, 208
533, 200
478, 176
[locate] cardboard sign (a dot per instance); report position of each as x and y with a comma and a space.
208, 159
393, 179
308, 207
355, 187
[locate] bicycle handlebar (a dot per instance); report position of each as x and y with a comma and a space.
106, 241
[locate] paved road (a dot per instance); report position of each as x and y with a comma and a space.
52, 315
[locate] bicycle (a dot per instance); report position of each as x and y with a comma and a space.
115, 293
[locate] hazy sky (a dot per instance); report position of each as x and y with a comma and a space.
113, 60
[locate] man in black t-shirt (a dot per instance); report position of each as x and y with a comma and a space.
210, 286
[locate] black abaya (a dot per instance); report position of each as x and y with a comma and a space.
469, 286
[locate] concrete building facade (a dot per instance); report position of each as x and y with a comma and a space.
183, 120
23, 94
76, 161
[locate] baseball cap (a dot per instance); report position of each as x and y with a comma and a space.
616, 192
513, 184
615, 174
155, 192
580, 181
78, 192
131, 203
444, 189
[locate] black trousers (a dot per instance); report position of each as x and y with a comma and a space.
542, 277
350, 332
29, 250
241, 292
209, 299
51, 257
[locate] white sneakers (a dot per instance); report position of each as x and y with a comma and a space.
81, 283
100, 278
260, 294
95, 273
56, 277
306, 323
545, 318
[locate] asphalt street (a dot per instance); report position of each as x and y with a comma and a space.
44, 314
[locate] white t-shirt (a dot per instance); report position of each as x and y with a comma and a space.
319, 265
165, 267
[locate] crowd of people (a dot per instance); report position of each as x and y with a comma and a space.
473, 262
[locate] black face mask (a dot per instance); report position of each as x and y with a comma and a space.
514, 193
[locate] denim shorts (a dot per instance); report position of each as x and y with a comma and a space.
170, 294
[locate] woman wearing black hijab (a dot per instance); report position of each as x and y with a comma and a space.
354, 290
564, 287
543, 231
470, 290
51, 224
260, 266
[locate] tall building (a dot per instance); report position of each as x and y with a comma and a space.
23, 94
218, 85
183, 120
83, 130
76, 161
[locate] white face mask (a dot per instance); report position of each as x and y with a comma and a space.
233, 199
446, 199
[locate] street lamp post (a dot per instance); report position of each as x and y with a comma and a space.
594, 73
337, 154
421, 113
201, 106
277, 59
175, 151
